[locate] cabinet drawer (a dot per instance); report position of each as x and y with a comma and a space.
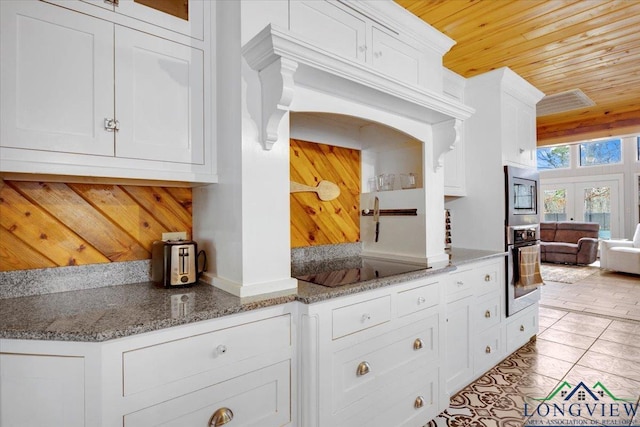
259, 398
164, 363
417, 299
410, 400
360, 316
488, 349
461, 285
521, 329
362, 369
487, 279
486, 312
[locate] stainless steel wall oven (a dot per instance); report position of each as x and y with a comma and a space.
522, 238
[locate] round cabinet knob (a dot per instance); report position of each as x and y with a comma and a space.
487, 277
221, 349
418, 344
421, 300
488, 349
220, 417
363, 369
521, 328
487, 314
419, 403
366, 317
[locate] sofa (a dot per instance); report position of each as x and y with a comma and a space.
569, 242
621, 255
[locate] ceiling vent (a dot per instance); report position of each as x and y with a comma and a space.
563, 101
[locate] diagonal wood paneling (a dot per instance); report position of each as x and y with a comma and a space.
56, 224
314, 222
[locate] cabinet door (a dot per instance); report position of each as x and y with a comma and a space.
181, 16
459, 364
56, 79
41, 390
159, 98
330, 27
396, 58
519, 132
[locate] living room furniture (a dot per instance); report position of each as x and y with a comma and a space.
621, 255
569, 242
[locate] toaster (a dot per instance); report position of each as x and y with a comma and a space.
174, 263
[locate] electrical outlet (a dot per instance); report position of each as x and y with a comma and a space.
175, 235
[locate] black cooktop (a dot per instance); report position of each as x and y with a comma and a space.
359, 270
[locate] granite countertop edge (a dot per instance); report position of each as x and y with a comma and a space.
215, 304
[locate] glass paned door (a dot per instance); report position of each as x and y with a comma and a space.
557, 202
599, 202
554, 204
592, 201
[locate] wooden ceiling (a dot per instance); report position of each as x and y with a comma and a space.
556, 45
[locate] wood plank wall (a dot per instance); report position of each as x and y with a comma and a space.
314, 222
46, 224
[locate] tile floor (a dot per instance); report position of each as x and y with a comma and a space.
589, 331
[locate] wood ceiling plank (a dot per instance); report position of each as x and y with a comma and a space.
42, 232
78, 215
516, 49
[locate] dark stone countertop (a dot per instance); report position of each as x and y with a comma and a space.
101, 314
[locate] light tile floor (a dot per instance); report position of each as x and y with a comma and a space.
589, 331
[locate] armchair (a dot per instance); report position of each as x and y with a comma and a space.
621, 255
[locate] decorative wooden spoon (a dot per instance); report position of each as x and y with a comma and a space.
326, 190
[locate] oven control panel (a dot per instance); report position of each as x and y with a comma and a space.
525, 235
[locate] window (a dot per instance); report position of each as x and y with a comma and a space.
553, 157
600, 152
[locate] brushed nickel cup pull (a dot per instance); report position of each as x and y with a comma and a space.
459, 283
363, 369
488, 349
419, 403
521, 328
487, 314
418, 344
487, 277
220, 417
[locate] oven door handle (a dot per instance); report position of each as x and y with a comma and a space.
515, 264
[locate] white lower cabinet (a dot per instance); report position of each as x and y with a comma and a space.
258, 398
521, 327
238, 367
38, 390
376, 362
479, 335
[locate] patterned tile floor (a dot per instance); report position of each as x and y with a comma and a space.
577, 342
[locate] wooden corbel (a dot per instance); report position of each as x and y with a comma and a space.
277, 94
445, 137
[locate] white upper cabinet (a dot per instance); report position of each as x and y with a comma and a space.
87, 96
381, 35
507, 103
181, 16
330, 27
51, 62
159, 98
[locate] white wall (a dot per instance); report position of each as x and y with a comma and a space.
629, 169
